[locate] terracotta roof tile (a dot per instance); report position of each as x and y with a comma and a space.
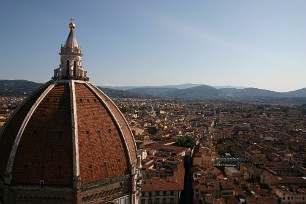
101, 148
10, 131
121, 120
45, 149
158, 184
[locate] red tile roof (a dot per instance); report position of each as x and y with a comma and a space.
158, 184
45, 151
101, 147
45, 148
121, 121
172, 183
11, 128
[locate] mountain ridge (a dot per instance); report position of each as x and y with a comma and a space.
178, 86
192, 92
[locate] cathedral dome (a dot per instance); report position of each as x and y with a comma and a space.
67, 143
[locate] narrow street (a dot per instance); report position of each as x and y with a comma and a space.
187, 194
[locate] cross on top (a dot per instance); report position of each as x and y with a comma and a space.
71, 19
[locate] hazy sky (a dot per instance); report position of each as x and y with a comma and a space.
259, 43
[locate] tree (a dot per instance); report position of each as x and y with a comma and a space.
186, 141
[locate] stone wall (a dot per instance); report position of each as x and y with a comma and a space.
36, 194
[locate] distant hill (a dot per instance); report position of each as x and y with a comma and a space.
153, 92
17, 87
229, 87
179, 86
210, 93
123, 88
198, 93
296, 93
182, 92
183, 86
113, 93
251, 92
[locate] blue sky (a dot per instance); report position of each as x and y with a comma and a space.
247, 43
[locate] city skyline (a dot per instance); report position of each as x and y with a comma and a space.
218, 43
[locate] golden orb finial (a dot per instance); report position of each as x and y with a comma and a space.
71, 24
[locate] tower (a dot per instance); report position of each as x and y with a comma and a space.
68, 142
71, 59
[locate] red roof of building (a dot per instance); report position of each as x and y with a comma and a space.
39, 140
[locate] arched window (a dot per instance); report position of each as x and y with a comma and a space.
67, 68
74, 69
